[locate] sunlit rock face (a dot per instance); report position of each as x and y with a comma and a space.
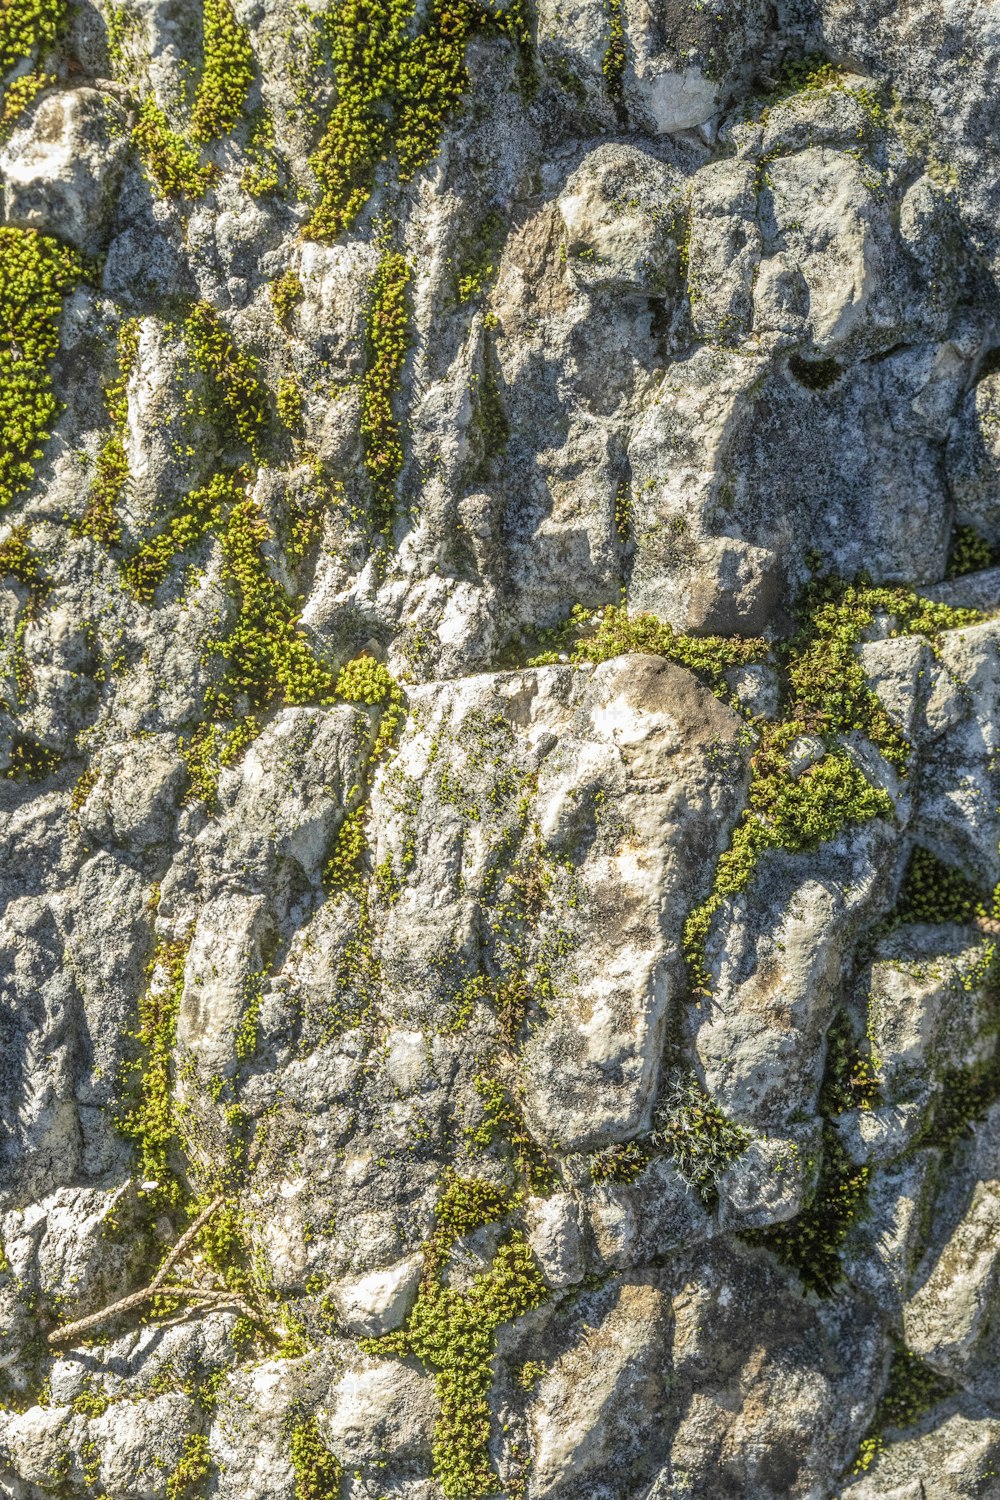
499, 760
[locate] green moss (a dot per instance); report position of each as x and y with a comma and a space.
386, 341
27, 25
20, 562
226, 76
237, 398
290, 402
193, 1466
700, 1139
827, 695
286, 293
200, 511
811, 1242
615, 54
263, 173
318, 1474
30, 761
148, 1117
396, 86
502, 1120
18, 96
453, 1333
815, 374
343, 873
622, 1162
597, 636
36, 272
99, 519
970, 552
935, 892
851, 1078
478, 264
169, 161
913, 1388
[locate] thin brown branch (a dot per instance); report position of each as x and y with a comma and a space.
156, 1288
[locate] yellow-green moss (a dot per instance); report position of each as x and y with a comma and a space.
386, 339
615, 55
169, 161
396, 85
193, 1466
912, 1389
286, 293
226, 75
21, 562
26, 25
970, 551
36, 272
237, 396
826, 695
18, 96
454, 1333
318, 1474
148, 1117
99, 519
290, 402
811, 1242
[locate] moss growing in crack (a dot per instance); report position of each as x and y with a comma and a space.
700, 1139
363, 680
20, 562
286, 293
478, 264
913, 1388
622, 1162
200, 511
170, 162
290, 402
36, 272
396, 86
503, 1121
596, 636
318, 1474
149, 1117
226, 76
99, 519
815, 374
935, 892
237, 396
615, 54
811, 1242
27, 25
386, 338
193, 1466
453, 1333
970, 552
826, 695
851, 1077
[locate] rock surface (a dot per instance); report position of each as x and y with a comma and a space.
499, 743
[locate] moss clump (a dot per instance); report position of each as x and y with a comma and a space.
826, 695
26, 25
36, 272
170, 162
615, 54
503, 1120
226, 76
17, 97
478, 265
622, 1162
237, 397
386, 339
454, 1332
200, 511
851, 1078
290, 403
192, 1467
286, 293
396, 85
970, 552
99, 520
697, 1135
597, 636
30, 761
149, 1116
935, 892
815, 374
811, 1243
20, 562
913, 1388
318, 1474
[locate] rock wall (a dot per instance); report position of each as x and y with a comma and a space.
499, 750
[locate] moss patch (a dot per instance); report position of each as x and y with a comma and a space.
171, 164
386, 340
99, 519
318, 1474
226, 76
453, 1333
36, 272
26, 25
396, 86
